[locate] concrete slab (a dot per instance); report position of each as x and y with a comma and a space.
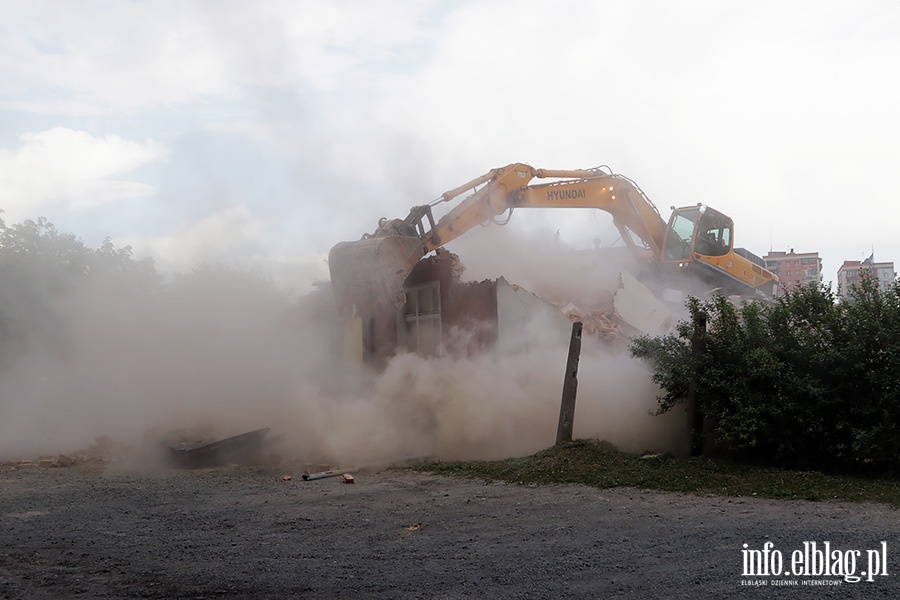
639, 307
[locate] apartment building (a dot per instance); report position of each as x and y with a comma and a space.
849, 274
794, 268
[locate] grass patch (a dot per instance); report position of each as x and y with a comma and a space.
599, 464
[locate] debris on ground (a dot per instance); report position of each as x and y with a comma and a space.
656, 456
103, 450
327, 474
183, 448
63, 461
246, 448
16, 464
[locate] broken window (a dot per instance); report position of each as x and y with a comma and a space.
420, 323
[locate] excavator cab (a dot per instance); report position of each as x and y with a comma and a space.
697, 230
700, 239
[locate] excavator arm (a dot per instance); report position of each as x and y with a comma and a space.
508, 188
631, 210
374, 268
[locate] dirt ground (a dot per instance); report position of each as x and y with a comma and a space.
246, 533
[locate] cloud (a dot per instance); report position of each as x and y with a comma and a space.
72, 170
103, 55
768, 111
775, 114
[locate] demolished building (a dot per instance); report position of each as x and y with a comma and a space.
439, 313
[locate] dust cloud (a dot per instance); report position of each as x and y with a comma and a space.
211, 348
499, 405
505, 402
223, 351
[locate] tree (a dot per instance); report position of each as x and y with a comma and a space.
46, 275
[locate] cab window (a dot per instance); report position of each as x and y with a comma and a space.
713, 234
681, 231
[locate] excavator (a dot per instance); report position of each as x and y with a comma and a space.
697, 241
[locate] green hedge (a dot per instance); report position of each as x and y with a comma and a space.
804, 382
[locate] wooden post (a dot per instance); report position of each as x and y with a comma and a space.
695, 415
570, 387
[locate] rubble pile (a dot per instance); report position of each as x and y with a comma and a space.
633, 309
457, 268
600, 321
184, 447
599, 324
103, 450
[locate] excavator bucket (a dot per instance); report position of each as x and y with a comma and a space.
372, 271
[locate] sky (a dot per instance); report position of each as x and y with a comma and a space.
262, 133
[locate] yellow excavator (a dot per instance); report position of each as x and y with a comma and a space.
697, 241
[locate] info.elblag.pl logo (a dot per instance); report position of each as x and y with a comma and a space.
813, 560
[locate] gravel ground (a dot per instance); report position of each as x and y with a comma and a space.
245, 533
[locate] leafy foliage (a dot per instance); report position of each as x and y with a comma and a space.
44, 273
803, 382
55, 289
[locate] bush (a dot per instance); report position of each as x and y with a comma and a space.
803, 382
